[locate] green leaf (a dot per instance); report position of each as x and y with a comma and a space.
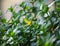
4, 20
45, 8
10, 9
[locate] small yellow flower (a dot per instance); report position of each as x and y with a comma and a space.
27, 21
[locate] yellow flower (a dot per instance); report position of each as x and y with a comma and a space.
27, 21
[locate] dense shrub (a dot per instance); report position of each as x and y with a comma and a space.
33, 25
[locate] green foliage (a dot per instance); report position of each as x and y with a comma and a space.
33, 25
3, 20
57, 6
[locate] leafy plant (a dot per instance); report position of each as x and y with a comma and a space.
3, 20
33, 25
